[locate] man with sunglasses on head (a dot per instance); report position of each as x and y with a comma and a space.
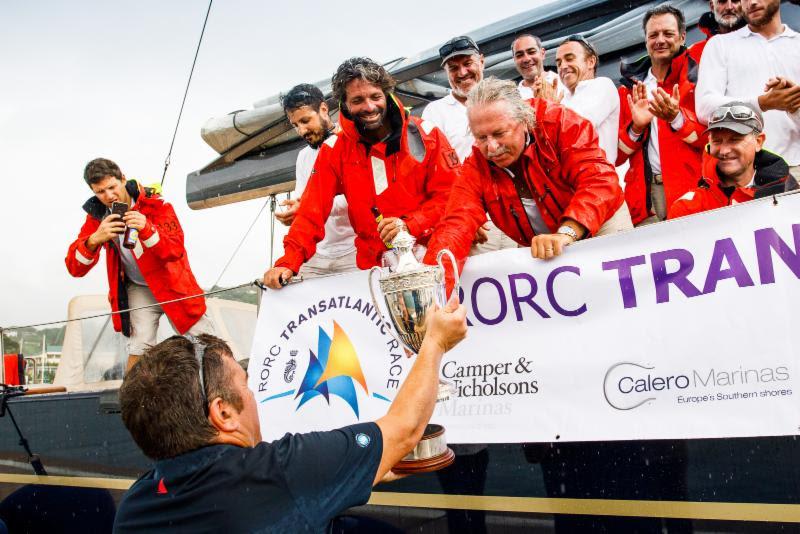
307, 112
188, 407
758, 64
528, 54
592, 98
737, 168
659, 134
395, 171
463, 63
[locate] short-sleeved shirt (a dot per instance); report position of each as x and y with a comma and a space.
295, 484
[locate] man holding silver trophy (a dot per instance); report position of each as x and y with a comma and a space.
393, 169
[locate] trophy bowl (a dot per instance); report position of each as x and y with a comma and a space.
410, 292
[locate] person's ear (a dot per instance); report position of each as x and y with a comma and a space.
760, 138
223, 416
123, 179
323, 109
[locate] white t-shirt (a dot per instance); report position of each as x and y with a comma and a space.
450, 116
736, 66
597, 101
129, 264
527, 93
653, 150
339, 234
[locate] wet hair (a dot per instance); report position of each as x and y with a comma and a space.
491, 90
665, 9
522, 35
162, 404
98, 169
360, 68
301, 95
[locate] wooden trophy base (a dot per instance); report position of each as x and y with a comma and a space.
430, 454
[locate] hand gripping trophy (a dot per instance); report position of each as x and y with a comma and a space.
410, 289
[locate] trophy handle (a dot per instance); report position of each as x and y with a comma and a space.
377, 307
457, 278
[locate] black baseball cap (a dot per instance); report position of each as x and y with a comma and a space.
462, 45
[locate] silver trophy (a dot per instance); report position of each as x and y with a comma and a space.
410, 289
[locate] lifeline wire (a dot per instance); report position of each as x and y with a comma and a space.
206, 294
185, 93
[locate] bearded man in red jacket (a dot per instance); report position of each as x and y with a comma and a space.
387, 163
155, 270
537, 170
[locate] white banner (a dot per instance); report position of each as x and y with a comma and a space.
684, 329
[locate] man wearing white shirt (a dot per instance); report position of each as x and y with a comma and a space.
528, 56
307, 112
758, 64
463, 64
593, 98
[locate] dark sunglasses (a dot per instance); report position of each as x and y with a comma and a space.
199, 354
456, 46
737, 113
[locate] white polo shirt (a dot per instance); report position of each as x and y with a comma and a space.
339, 234
527, 93
597, 101
736, 66
450, 116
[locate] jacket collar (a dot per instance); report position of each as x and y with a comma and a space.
395, 114
772, 175
98, 210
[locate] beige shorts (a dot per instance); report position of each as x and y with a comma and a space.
320, 266
497, 240
619, 222
144, 322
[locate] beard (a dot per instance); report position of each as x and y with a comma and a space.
728, 21
315, 139
462, 92
769, 12
367, 126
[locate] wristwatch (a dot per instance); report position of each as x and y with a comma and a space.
567, 230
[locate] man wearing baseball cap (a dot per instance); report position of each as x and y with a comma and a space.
463, 63
736, 167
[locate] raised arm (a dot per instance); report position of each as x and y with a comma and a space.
403, 425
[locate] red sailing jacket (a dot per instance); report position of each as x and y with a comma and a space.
772, 177
159, 253
680, 151
408, 176
564, 168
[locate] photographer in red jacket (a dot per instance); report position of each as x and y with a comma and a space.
156, 268
384, 161
537, 170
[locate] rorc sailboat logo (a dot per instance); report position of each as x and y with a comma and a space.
333, 370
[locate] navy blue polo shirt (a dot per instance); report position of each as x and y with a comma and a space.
295, 484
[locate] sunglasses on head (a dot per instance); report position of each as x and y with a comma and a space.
456, 46
578, 38
199, 354
738, 113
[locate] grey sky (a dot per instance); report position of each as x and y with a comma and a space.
87, 79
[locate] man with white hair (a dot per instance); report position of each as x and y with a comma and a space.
463, 63
538, 171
